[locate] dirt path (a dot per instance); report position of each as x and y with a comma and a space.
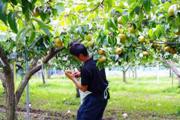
36, 114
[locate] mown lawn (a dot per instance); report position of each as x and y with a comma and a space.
144, 98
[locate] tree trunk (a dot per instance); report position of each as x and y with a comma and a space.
172, 79
43, 78
124, 76
48, 74
174, 69
170, 72
10, 98
9, 87
135, 72
157, 73
42, 74
124, 73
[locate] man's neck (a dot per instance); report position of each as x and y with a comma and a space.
87, 58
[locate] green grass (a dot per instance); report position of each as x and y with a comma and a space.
144, 95
56, 95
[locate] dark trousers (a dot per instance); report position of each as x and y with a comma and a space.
92, 108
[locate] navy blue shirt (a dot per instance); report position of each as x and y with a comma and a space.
94, 77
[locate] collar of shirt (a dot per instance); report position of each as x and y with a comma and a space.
88, 60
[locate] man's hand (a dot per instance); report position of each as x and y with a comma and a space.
69, 74
77, 74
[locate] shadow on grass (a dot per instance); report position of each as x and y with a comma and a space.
172, 90
48, 85
178, 111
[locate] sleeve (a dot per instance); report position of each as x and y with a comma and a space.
85, 76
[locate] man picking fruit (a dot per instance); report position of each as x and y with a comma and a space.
93, 80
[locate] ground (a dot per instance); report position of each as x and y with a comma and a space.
138, 99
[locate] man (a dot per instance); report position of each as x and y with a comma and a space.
93, 80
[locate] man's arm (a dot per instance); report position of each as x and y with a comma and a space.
79, 86
70, 75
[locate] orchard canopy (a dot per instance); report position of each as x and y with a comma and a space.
116, 32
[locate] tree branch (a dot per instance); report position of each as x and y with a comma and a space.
126, 69
4, 59
96, 7
173, 67
168, 43
53, 52
101, 3
6, 67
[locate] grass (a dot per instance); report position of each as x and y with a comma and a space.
145, 94
142, 96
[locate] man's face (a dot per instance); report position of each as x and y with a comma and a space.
80, 57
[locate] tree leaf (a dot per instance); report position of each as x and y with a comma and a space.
12, 22
26, 8
32, 35
150, 34
59, 7
3, 8
147, 5
108, 4
14, 2
41, 24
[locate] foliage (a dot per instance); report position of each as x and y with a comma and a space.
108, 24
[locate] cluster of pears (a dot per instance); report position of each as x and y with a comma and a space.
169, 49
58, 42
102, 53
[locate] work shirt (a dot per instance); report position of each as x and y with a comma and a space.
93, 77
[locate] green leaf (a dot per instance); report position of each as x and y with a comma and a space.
134, 6
44, 16
177, 20
32, 35
3, 8
159, 30
150, 34
124, 19
112, 41
111, 24
12, 22
33, 1
59, 7
26, 8
156, 2
19, 1
41, 24
108, 4
18, 37
147, 5
14, 2
23, 34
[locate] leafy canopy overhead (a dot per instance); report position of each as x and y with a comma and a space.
128, 31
